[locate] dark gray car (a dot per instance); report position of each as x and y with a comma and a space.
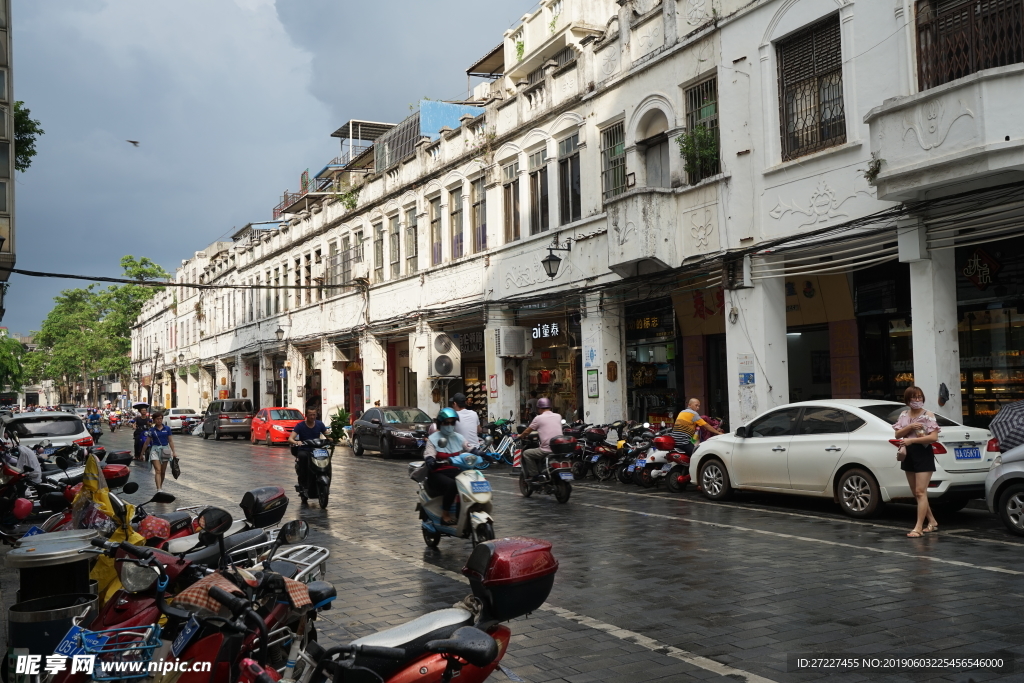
228, 417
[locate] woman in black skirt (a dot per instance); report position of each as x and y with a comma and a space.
918, 430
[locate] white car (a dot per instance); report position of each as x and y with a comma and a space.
841, 449
172, 417
60, 429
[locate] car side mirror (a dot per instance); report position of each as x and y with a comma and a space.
375, 421
741, 432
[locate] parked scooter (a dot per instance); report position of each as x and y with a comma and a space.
510, 578
313, 467
473, 502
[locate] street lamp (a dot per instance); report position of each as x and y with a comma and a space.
181, 358
279, 333
551, 261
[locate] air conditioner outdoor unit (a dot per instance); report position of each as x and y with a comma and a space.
513, 342
445, 357
340, 356
361, 269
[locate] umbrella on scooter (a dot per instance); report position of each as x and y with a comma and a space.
1008, 426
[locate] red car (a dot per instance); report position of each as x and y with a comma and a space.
274, 425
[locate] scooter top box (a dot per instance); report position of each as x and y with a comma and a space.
562, 445
264, 506
116, 476
511, 576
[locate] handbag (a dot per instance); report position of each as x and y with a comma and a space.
175, 467
901, 453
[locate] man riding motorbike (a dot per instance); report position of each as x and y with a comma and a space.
548, 425
440, 446
311, 428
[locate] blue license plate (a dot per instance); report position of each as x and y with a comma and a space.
71, 645
640, 462
967, 453
48, 451
320, 453
420, 442
595, 458
179, 644
480, 486
238, 420
566, 475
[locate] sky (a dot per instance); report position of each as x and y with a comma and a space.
230, 100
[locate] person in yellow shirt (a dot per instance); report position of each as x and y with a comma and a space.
684, 431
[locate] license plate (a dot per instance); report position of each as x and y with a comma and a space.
34, 531
566, 475
48, 451
236, 420
420, 442
967, 453
640, 462
480, 486
595, 458
179, 644
631, 467
667, 466
320, 453
72, 643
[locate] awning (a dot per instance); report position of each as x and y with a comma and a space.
490, 65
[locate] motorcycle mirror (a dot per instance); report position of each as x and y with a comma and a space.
295, 531
45, 443
130, 488
62, 462
214, 521
563, 421
160, 496
647, 425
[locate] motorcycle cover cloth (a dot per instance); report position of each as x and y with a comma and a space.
93, 499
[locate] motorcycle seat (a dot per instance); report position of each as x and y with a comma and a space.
178, 520
285, 569
210, 555
412, 637
321, 594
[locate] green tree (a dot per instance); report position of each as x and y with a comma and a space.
11, 371
26, 131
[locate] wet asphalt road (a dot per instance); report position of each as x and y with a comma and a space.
652, 585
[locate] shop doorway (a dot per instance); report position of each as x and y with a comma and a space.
810, 363
257, 392
718, 372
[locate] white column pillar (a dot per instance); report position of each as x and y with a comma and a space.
419, 362
375, 369
603, 341
756, 343
244, 370
507, 400
933, 318
266, 376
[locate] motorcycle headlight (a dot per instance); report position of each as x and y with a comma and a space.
470, 460
136, 579
279, 428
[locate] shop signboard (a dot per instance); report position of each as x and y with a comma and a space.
746, 364
546, 330
492, 385
471, 342
593, 386
650, 326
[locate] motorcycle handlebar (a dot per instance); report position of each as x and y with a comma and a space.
137, 551
234, 603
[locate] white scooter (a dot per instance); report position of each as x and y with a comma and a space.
473, 502
658, 462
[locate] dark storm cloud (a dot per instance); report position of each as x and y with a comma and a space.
229, 99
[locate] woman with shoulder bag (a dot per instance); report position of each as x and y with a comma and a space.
918, 430
162, 448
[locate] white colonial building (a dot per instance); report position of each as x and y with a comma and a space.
752, 203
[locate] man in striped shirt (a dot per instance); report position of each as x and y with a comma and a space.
684, 431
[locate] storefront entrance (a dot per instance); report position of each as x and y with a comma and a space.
652, 391
555, 370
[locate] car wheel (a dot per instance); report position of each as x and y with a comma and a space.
205, 436
216, 433
252, 437
1011, 508
859, 495
714, 480
235, 436
268, 442
385, 448
357, 446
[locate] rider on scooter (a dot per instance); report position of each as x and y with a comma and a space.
441, 445
548, 425
312, 428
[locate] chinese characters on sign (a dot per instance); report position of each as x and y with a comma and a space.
703, 309
471, 342
746, 363
981, 268
650, 322
546, 330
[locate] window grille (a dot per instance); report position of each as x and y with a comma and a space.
613, 160
411, 242
811, 89
540, 215
397, 144
510, 194
702, 111
347, 256
395, 249
479, 198
435, 231
309, 278
378, 252
455, 222
956, 38
569, 194
357, 246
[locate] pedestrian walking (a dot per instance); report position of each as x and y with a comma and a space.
917, 430
142, 424
158, 438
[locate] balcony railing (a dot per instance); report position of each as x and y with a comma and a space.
955, 39
314, 185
